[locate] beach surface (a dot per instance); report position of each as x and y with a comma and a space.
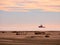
29, 38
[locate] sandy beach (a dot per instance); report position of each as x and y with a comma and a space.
29, 38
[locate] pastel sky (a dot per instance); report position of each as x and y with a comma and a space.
29, 14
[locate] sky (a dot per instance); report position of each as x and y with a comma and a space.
27, 15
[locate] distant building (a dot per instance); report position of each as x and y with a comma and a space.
41, 26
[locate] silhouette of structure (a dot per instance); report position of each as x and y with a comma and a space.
41, 26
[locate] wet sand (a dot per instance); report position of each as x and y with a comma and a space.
29, 42
53, 40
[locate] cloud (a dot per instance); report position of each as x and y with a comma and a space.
26, 5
